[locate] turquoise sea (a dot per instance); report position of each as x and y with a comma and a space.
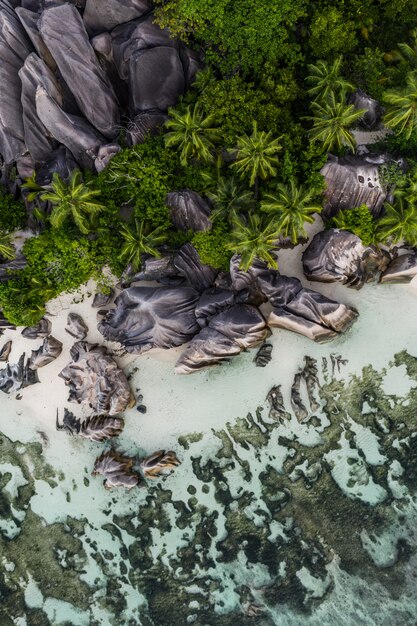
267, 521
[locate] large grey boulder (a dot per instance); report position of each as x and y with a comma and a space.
352, 181
59, 161
401, 270
95, 379
151, 317
50, 350
213, 301
373, 110
14, 48
135, 36
188, 211
208, 348
188, 264
63, 31
104, 15
144, 124
29, 20
90, 149
156, 79
339, 256
35, 73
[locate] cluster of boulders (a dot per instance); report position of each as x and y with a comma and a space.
71, 72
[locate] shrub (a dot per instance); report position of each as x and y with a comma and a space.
12, 213
359, 221
211, 246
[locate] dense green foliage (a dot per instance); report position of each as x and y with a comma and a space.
212, 245
359, 221
12, 213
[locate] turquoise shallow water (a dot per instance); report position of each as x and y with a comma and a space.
266, 520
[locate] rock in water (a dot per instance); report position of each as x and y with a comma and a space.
277, 409
5, 351
42, 329
96, 428
264, 355
104, 15
48, 352
401, 270
297, 404
151, 317
189, 211
117, 469
76, 327
339, 256
156, 463
95, 379
64, 33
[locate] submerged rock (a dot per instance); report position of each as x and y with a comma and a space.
76, 327
189, 211
277, 409
48, 352
117, 469
340, 256
297, 404
96, 428
95, 379
401, 270
158, 462
264, 355
40, 330
151, 317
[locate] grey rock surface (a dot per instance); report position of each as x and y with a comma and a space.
188, 264
401, 270
102, 299
372, 117
8, 267
208, 348
17, 376
48, 352
5, 351
40, 330
188, 210
63, 31
243, 323
104, 15
117, 470
211, 302
29, 20
339, 256
144, 124
151, 317
156, 79
59, 161
95, 379
264, 355
76, 327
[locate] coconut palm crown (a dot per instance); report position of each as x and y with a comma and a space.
325, 78
72, 199
332, 120
252, 239
192, 133
256, 155
399, 224
401, 112
293, 206
228, 197
138, 240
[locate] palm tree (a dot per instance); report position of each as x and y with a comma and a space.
293, 206
331, 123
139, 240
401, 113
229, 196
399, 222
255, 155
7, 250
33, 188
253, 239
192, 133
407, 53
72, 200
325, 78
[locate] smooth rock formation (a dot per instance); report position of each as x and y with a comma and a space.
157, 463
96, 428
277, 409
156, 79
5, 351
40, 330
211, 302
152, 268
339, 256
188, 264
151, 317
8, 267
373, 110
48, 352
117, 469
189, 211
61, 162
209, 347
14, 48
63, 31
95, 379
104, 15
264, 355
144, 124
17, 376
76, 327
102, 299
401, 270
29, 20
352, 181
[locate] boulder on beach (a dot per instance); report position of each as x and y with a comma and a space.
95, 379
41, 329
151, 317
339, 256
76, 327
401, 270
50, 350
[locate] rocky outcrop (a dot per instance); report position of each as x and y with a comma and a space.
76, 327
117, 469
144, 123
188, 264
352, 181
17, 376
95, 379
339, 256
102, 299
5, 351
151, 317
371, 119
401, 270
40, 330
157, 463
189, 211
48, 352
7, 268
96, 428
264, 355
104, 15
